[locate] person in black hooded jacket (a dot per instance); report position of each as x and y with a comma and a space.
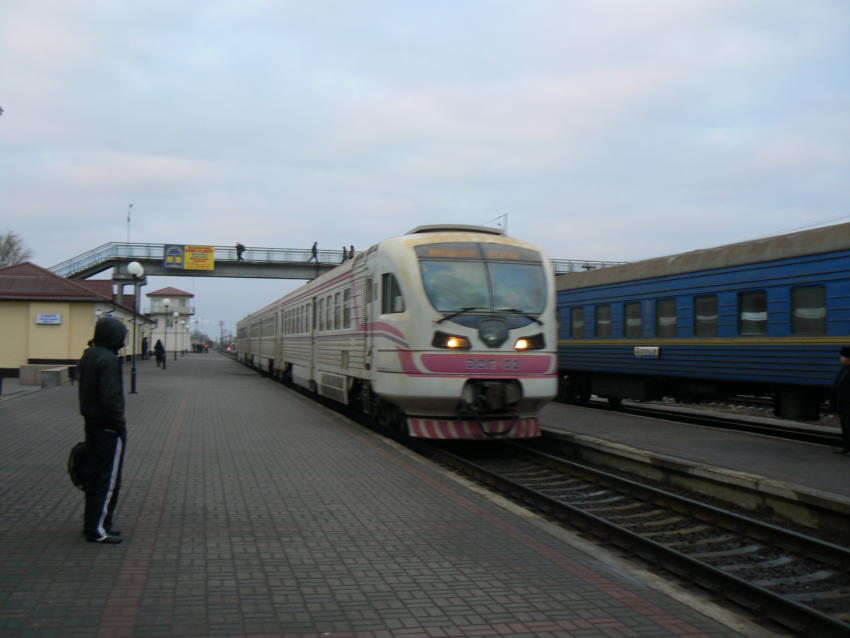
101, 392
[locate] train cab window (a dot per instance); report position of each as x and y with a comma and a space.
665, 318
632, 320
808, 310
602, 321
752, 313
705, 316
577, 322
391, 298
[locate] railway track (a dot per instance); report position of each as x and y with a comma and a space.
800, 582
801, 433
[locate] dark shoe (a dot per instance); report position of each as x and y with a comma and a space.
113, 532
104, 540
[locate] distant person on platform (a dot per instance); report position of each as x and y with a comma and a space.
239, 250
350, 251
841, 399
314, 252
101, 394
144, 347
159, 352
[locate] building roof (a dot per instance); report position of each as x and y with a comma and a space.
26, 281
170, 292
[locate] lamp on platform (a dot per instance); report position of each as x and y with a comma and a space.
165, 302
176, 334
137, 271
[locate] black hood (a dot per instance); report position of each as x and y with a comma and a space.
110, 333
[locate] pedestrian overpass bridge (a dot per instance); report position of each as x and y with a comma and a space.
256, 263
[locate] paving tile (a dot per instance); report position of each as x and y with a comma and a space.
249, 510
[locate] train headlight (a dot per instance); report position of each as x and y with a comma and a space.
534, 342
452, 342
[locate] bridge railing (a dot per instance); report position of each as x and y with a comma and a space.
125, 251
565, 266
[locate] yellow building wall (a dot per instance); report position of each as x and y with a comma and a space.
48, 341
23, 340
14, 317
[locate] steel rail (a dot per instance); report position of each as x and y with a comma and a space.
779, 608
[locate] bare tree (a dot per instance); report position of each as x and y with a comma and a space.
12, 249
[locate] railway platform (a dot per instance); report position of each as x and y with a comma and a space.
249, 510
793, 466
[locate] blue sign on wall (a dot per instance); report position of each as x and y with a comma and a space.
174, 256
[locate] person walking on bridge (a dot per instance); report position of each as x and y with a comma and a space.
101, 394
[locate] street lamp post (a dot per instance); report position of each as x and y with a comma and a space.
176, 335
137, 271
165, 302
185, 338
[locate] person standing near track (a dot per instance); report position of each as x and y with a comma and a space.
841, 398
101, 394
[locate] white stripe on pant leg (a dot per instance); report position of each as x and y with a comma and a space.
113, 475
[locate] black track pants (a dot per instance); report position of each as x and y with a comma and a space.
106, 457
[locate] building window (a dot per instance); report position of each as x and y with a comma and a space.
391, 297
632, 320
705, 316
602, 321
808, 310
752, 313
577, 322
665, 318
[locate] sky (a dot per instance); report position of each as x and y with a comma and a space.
605, 130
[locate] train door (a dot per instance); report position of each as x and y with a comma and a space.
368, 315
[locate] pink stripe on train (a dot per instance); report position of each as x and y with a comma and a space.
460, 429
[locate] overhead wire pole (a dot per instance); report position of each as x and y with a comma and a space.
129, 208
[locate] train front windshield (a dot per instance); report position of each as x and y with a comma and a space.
482, 277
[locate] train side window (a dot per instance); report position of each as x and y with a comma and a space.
705, 316
752, 313
808, 310
321, 326
632, 320
665, 318
391, 297
346, 308
602, 321
337, 311
329, 317
577, 322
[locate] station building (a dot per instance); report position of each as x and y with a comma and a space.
48, 320
171, 310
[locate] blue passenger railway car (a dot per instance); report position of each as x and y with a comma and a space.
763, 318
445, 332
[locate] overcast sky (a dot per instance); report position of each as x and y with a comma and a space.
603, 129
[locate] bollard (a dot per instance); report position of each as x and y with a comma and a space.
72, 374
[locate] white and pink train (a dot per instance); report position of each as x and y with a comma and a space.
446, 332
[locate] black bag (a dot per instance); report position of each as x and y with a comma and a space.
78, 465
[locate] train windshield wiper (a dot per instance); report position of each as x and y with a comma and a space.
520, 312
455, 313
